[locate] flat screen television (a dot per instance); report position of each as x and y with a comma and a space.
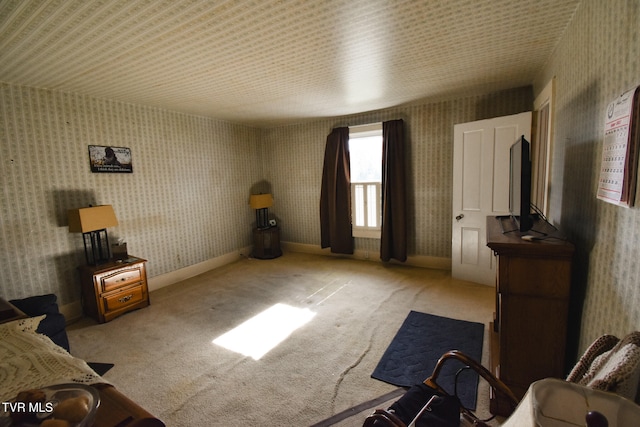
520, 184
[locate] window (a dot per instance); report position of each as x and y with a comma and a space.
365, 151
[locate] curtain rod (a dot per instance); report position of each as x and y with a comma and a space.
365, 125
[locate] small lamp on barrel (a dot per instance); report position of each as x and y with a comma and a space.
261, 203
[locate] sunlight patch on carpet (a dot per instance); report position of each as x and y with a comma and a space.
263, 332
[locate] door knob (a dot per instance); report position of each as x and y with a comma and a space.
459, 217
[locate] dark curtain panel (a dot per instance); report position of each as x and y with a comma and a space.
393, 243
335, 195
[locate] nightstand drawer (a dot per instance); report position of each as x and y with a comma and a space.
121, 278
124, 298
114, 288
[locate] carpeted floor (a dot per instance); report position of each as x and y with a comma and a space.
164, 357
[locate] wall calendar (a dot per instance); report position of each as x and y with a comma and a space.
619, 166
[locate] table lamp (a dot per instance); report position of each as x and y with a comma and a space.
261, 203
92, 222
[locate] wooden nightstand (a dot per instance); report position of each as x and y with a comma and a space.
115, 288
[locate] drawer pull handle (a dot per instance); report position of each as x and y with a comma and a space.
125, 299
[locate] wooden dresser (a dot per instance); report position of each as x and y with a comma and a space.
115, 288
529, 332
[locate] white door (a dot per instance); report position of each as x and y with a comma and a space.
480, 189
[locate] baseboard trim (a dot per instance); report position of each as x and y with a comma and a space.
73, 311
158, 282
437, 263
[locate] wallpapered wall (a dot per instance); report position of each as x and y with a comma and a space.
597, 60
298, 151
185, 202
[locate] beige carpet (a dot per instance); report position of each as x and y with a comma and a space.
165, 359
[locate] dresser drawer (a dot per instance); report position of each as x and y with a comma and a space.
120, 278
124, 298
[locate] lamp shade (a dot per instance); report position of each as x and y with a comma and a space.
261, 201
84, 220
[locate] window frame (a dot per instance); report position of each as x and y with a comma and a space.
366, 231
542, 147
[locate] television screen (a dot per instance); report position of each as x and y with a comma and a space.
520, 184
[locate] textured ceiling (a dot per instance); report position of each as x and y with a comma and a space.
271, 62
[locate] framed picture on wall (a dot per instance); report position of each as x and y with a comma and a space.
110, 159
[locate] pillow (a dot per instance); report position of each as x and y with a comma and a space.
37, 305
596, 349
617, 370
28, 324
